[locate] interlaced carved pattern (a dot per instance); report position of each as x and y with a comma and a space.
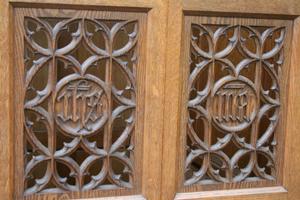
79, 106
234, 86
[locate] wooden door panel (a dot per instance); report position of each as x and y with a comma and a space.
90, 76
237, 70
135, 99
82, 94
203, 118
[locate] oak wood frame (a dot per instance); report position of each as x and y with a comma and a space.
283, 90
20, 13
174, 89
157, 73
154, 68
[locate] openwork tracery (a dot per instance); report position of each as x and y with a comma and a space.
234, 103
79, 104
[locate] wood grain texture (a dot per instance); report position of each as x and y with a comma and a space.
174, 75
123, 4
154, 104
291, 175
172, 101
49, 13
163, 91
20, 12
153, 65
77, 118
6, 157
277, 7
234, 194
283, 77
135, 197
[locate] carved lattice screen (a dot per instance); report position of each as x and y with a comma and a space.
236, 84
81, 84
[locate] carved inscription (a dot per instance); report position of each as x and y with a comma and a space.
234, 105
80, 106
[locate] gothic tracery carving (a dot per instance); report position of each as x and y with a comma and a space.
71, 110
234, 88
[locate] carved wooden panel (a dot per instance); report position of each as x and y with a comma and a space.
80, 93
236, 97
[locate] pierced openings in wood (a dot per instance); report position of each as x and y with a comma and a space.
234, 102
80, 103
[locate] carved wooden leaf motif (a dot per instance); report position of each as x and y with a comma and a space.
234, 103
79, 106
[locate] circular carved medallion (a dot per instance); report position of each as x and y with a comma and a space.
81, 105
233, 104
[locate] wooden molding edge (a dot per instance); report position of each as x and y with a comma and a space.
227, 193
107, 5
277, 7
131, 197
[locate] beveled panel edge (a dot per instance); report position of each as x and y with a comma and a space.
99, 5
278, 7
132, 197
230, 193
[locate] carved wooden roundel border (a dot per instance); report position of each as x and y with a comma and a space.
88, 95
234, 105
